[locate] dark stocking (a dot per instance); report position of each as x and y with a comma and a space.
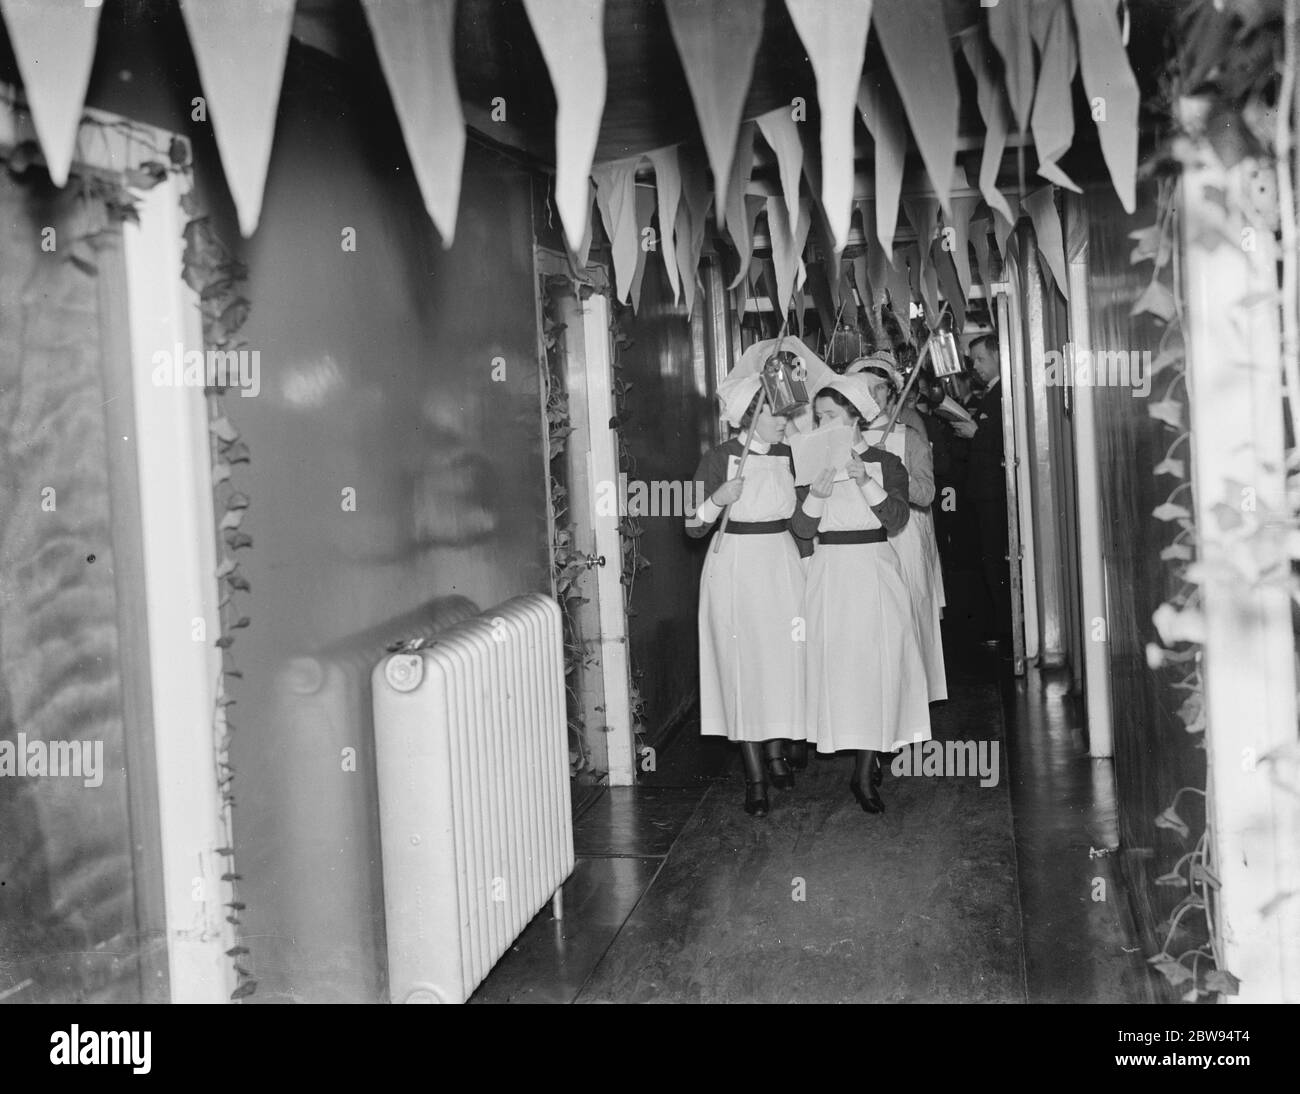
751, 754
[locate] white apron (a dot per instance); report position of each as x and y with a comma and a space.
866, 676
918, 552
751, 595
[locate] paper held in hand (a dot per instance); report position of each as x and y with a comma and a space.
822, 448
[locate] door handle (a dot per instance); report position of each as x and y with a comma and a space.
593, 560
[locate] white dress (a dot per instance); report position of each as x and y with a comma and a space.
751, 600
918, 552
866, 675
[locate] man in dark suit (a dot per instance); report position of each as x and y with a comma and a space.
985, 489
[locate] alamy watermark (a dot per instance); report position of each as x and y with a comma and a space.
1074, 367
950, 758
70, 759
657, 498
216, 368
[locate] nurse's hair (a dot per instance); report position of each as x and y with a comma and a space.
751, 412
883, 374
840, 399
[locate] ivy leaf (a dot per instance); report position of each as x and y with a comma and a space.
1157, 301
1222, 981
1171, 820
232, 519
240, 582
1174, 877
1173, 971
1171, 466
237, 501
227, 851
225, 642
239, 540
242, 622
1203, 874
235, 951
227, 566
1168, 411
236, 452
1180, 551
1172, 354
223, 429
1170, 511
1175, 626
245, 989
220, 472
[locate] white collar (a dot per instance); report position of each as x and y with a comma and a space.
756, 444
992, 384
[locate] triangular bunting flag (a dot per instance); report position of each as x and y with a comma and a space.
717, 41
54, 45
572, 40
1112, 91
583, 252
1003, 226
692, 220
834, 32
239, 48
958, 242
898, 282
668, 184
914, 37
781, 132
979, 236
741, 227
645, 210
923, 216
1053, 115
616, 198
1009, 30
942, 262
993, 109
1041, 206
787, 248
738, 224
878, 104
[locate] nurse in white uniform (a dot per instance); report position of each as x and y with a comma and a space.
751, 593
917, 547
866, 686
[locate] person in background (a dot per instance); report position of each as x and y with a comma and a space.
915, 544
985, 489
751, 593
866, 683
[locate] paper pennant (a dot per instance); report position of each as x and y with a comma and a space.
781, 132
668, 185
239, 48
959, 222
1053, 115
583, 252
739, 224
945, 268
717, 41
616, 199
993, 109
1112, 91
572, 40
692, 219
880, 109
914, 37
979, 236
923, 215
1002, 226
898, 282
1041, 206
834, 32
54, 45
1010, 32
646, 200
787, 248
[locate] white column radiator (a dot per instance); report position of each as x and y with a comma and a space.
472, 758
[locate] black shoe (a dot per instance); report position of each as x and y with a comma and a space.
870, 801
756, 799
782, 780
796, 755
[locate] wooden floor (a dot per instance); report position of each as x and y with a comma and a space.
959, 893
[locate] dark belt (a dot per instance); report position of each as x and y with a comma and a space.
866, 535
757, 527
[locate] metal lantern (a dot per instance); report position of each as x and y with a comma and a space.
784, 379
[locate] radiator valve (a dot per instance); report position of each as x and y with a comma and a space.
404, 671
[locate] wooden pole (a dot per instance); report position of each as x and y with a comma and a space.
740, 471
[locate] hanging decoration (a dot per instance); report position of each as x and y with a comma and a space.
959, 223
668, 186
923, 215
616, 198
647, 241
781, 132
882, 114
1052, 119
914, 37
717, 42
54, 45
979, 236
787, 248
1009, 31
835, 34
739, 221
1041, 206
240, 48
993, 109
571, 36
692, 220
1113, 93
